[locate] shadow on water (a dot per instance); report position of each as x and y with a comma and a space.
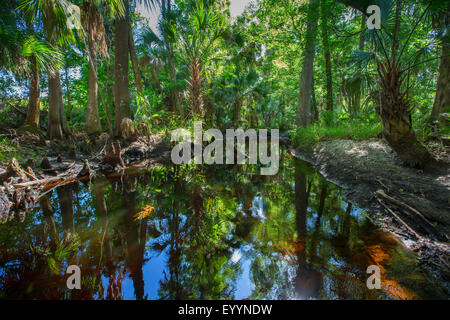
208, 232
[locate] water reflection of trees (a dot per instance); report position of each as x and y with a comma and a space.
293, 231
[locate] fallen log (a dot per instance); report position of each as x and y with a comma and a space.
399, 219
413, 214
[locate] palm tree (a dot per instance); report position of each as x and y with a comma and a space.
54, 14
205, 25
394, 109
167, 27
41, 56
93, 25
25, 54
94, 30
123, 40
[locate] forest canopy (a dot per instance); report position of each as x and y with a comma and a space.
279, 64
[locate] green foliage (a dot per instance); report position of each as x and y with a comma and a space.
249, 66
343, 130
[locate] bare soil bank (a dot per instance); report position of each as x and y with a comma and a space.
407, 202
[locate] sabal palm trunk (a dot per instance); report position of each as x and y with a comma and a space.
396, 120
195, 87
34, 105
54, 119
121, 91
57, 123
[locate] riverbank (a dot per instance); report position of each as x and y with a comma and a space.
31, 166
407, 202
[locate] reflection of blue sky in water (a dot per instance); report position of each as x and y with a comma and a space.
260, 253
153, 273
244, 285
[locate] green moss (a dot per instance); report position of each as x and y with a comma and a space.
8, 150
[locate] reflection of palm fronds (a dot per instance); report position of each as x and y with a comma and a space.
65, 249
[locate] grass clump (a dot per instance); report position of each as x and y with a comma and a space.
343, 130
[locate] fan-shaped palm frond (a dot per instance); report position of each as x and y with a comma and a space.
48, 58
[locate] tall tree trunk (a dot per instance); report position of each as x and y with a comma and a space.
93, 124
303, 117
237, 106
121, 91
442, 99
55, 130
357, 105
315, 110
326, 54
173, 97
54, 120
34, 105
135, 64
